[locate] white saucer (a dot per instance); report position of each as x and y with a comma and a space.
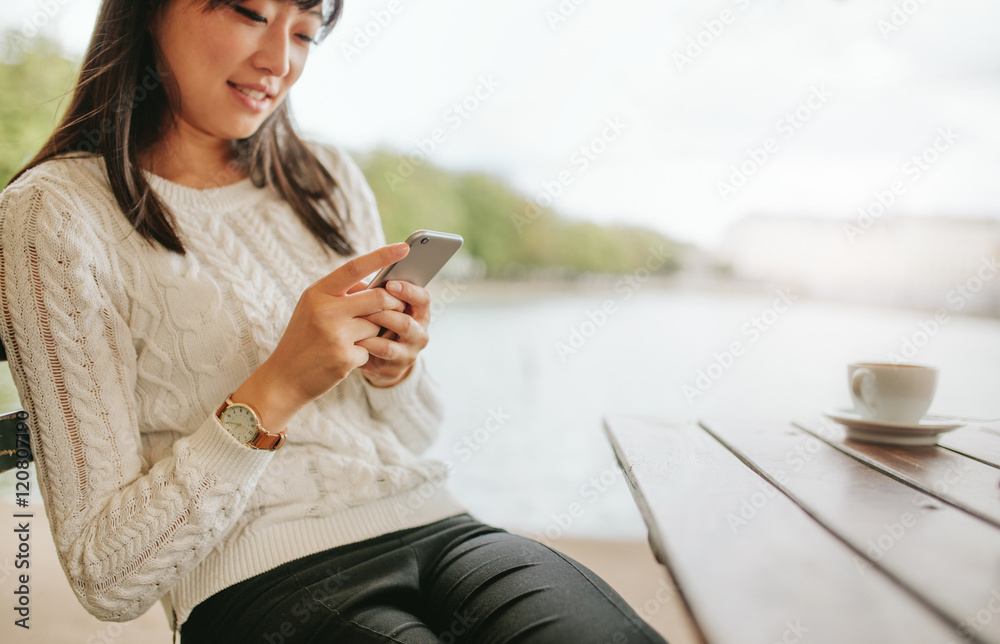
877, 431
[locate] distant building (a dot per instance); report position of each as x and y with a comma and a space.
922, 262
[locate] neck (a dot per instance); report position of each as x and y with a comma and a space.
193, 159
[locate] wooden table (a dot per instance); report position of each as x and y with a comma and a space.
787, 532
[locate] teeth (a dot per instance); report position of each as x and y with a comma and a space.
252, 93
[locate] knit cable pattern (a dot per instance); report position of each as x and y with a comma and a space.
121, 352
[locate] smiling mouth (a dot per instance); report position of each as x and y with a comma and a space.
252, 93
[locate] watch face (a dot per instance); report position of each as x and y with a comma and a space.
240, 422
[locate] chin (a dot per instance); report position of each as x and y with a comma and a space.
236, 131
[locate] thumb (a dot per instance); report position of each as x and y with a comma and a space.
341, 280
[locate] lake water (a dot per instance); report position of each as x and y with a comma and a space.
529, 375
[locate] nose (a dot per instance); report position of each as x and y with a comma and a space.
273, 53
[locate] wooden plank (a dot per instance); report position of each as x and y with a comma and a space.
751, 565
944, 555
978, 442
950, 476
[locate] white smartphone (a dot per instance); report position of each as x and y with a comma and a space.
429, 252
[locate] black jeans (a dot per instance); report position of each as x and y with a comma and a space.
453, 581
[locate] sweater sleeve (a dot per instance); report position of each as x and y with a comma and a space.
125, 530
413, 408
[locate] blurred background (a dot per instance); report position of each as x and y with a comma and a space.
671, 208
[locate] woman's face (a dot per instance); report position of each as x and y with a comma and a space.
231, 67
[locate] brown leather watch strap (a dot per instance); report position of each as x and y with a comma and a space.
264, 439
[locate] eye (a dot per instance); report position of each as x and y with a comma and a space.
251, 15
256, 17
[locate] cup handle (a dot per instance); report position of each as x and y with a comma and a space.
858, 379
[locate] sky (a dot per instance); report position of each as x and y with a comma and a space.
678, 115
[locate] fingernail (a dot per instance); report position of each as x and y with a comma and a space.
394, 287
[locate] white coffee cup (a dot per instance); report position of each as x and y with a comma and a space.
895, 393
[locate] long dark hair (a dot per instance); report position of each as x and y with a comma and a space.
120, 109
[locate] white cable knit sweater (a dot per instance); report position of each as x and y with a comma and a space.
122, 352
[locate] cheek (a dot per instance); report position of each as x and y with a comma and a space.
222, 49
214, 43
297, 65
197, 54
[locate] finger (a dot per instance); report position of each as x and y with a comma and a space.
416, 296
418, 299
382, 300
340, 281
372, 301
353, 330
384, 349
359, 356
403, 325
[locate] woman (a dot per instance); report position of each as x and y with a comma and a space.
216, 424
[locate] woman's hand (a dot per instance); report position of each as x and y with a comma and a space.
324, 340
392, 356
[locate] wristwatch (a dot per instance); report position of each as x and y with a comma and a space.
243, 422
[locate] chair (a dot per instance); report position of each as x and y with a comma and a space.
14, 443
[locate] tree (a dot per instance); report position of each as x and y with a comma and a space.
507, 233
510, 235
37, 81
